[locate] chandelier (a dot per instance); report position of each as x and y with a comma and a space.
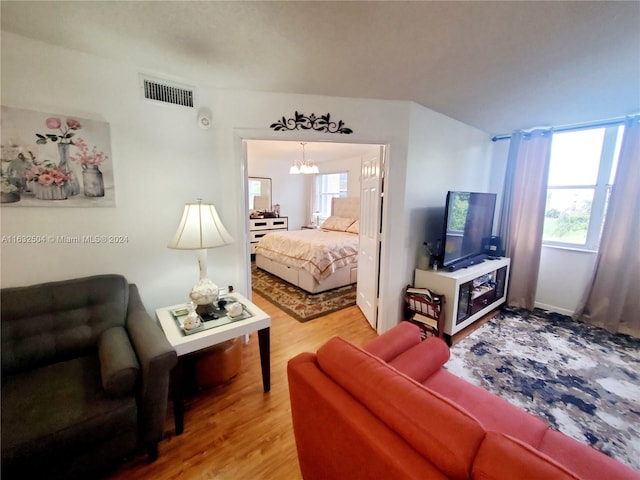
304, 166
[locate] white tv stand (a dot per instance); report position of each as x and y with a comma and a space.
470, 292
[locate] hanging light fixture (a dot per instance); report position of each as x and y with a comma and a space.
305, 167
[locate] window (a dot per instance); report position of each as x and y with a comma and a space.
328, 186
581, 174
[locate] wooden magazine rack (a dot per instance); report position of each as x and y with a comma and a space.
425, 309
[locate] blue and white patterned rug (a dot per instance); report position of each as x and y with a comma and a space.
582, 380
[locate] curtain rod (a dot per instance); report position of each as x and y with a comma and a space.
579, 126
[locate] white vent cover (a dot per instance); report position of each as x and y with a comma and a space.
166, 92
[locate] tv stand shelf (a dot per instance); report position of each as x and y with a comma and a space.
472, 292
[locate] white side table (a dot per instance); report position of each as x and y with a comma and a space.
187, 344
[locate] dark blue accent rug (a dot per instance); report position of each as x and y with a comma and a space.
581, 379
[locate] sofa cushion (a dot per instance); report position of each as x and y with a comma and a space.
493, 412
502, 457
59, 411
442, 432
587, 462
56, 321
119, 369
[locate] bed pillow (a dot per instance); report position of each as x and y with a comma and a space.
354, 228
339, 224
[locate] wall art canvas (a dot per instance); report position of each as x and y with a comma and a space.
54, 160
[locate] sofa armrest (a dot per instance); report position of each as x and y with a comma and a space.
422, 360
157, 357
394, 341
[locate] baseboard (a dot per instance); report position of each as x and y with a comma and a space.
553, 308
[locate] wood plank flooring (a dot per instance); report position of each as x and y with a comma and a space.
236, 431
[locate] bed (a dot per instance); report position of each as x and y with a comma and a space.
316, 260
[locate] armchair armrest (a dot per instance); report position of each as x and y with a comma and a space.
157, 357
119, 368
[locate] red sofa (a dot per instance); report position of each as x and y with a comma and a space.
391, 411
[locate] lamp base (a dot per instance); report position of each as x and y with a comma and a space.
204, 292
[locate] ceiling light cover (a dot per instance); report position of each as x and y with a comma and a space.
303, 166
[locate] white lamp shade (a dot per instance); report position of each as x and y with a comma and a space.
200, 228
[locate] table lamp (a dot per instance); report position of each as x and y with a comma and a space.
200, 229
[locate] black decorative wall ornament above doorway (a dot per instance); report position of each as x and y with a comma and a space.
299, 121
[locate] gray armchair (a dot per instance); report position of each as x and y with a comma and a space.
85, 377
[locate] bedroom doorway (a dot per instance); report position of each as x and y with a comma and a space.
274, 158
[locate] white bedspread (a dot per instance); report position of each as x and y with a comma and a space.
319, 252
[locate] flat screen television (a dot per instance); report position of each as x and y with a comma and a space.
468, 225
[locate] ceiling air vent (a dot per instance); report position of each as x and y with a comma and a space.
166, 92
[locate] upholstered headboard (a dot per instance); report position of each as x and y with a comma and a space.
347, 207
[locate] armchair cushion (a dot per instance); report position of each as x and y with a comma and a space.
119, 369
85, 376
77, 416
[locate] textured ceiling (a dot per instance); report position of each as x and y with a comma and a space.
495, 65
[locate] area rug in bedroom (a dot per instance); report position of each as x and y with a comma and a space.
296, 302
582, 380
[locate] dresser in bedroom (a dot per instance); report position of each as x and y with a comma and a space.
259, 227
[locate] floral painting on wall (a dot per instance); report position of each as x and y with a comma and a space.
54, 160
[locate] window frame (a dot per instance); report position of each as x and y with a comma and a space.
319, 193
601, 191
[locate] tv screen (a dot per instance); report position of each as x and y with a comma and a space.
468, 224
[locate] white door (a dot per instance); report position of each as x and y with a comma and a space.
370, 220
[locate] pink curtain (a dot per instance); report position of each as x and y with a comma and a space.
522, 215
612, 298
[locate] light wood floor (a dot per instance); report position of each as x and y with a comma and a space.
236, 431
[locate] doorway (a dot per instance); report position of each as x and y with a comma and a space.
294, 193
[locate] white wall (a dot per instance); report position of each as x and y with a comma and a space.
443, 154
563, 278
161, 161
293, 192
499, 156
290, 191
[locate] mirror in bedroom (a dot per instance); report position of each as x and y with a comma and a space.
259, 194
